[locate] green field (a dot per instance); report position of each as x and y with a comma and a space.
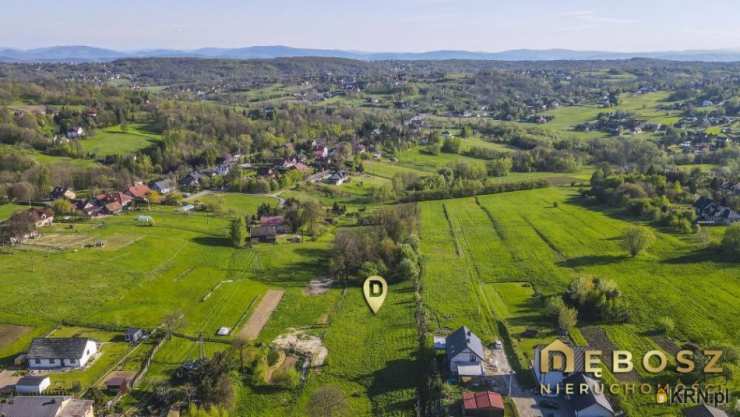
473, 249
49, 160
237, 203
7, 210
644, 106
118, 141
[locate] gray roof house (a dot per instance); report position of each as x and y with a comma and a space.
60, 352
464, 351
43, 406
592, 402
165, 186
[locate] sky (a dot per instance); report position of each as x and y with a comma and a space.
374, 25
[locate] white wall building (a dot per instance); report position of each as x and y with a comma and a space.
54, 353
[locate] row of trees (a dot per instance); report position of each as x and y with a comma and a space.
384, 243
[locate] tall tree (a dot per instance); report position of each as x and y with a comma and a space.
238, 232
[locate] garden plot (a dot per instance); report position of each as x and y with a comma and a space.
303, 344
61, 241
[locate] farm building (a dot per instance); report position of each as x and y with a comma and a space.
262, 233
281, 227
482, 404
32, 385
704, 410
118, 384
134, 335
588, 402
53, 353
46, 406
464, 352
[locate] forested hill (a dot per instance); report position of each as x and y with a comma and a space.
169, 71
92, 54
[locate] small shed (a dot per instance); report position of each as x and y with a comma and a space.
470, 373
482, 404
134, 335
223, 331
32, 385
118, 384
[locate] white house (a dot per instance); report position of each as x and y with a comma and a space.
60, 352
75, 133
32, 385
464, 351
588, 399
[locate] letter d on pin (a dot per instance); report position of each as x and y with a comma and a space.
375, 289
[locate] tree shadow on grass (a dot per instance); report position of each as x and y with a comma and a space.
592, 260
397, 375
212, 241
709, 254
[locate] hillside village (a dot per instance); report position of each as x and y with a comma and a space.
186, 236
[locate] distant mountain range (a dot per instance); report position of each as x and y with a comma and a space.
91, 54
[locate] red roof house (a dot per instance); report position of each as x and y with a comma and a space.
121, 198
139, 190
483, 404
113, 208
272, 220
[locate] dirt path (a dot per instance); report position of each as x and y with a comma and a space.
261, 314
197, 195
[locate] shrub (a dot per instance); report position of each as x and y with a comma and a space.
597, 299
328, 401
567, 318
666, 325
288, 378
637, 239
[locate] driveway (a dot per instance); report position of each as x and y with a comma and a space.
8, 379
499, 369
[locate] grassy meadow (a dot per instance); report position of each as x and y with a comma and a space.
502, 250
118, 140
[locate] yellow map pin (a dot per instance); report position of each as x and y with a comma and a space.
375, 289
